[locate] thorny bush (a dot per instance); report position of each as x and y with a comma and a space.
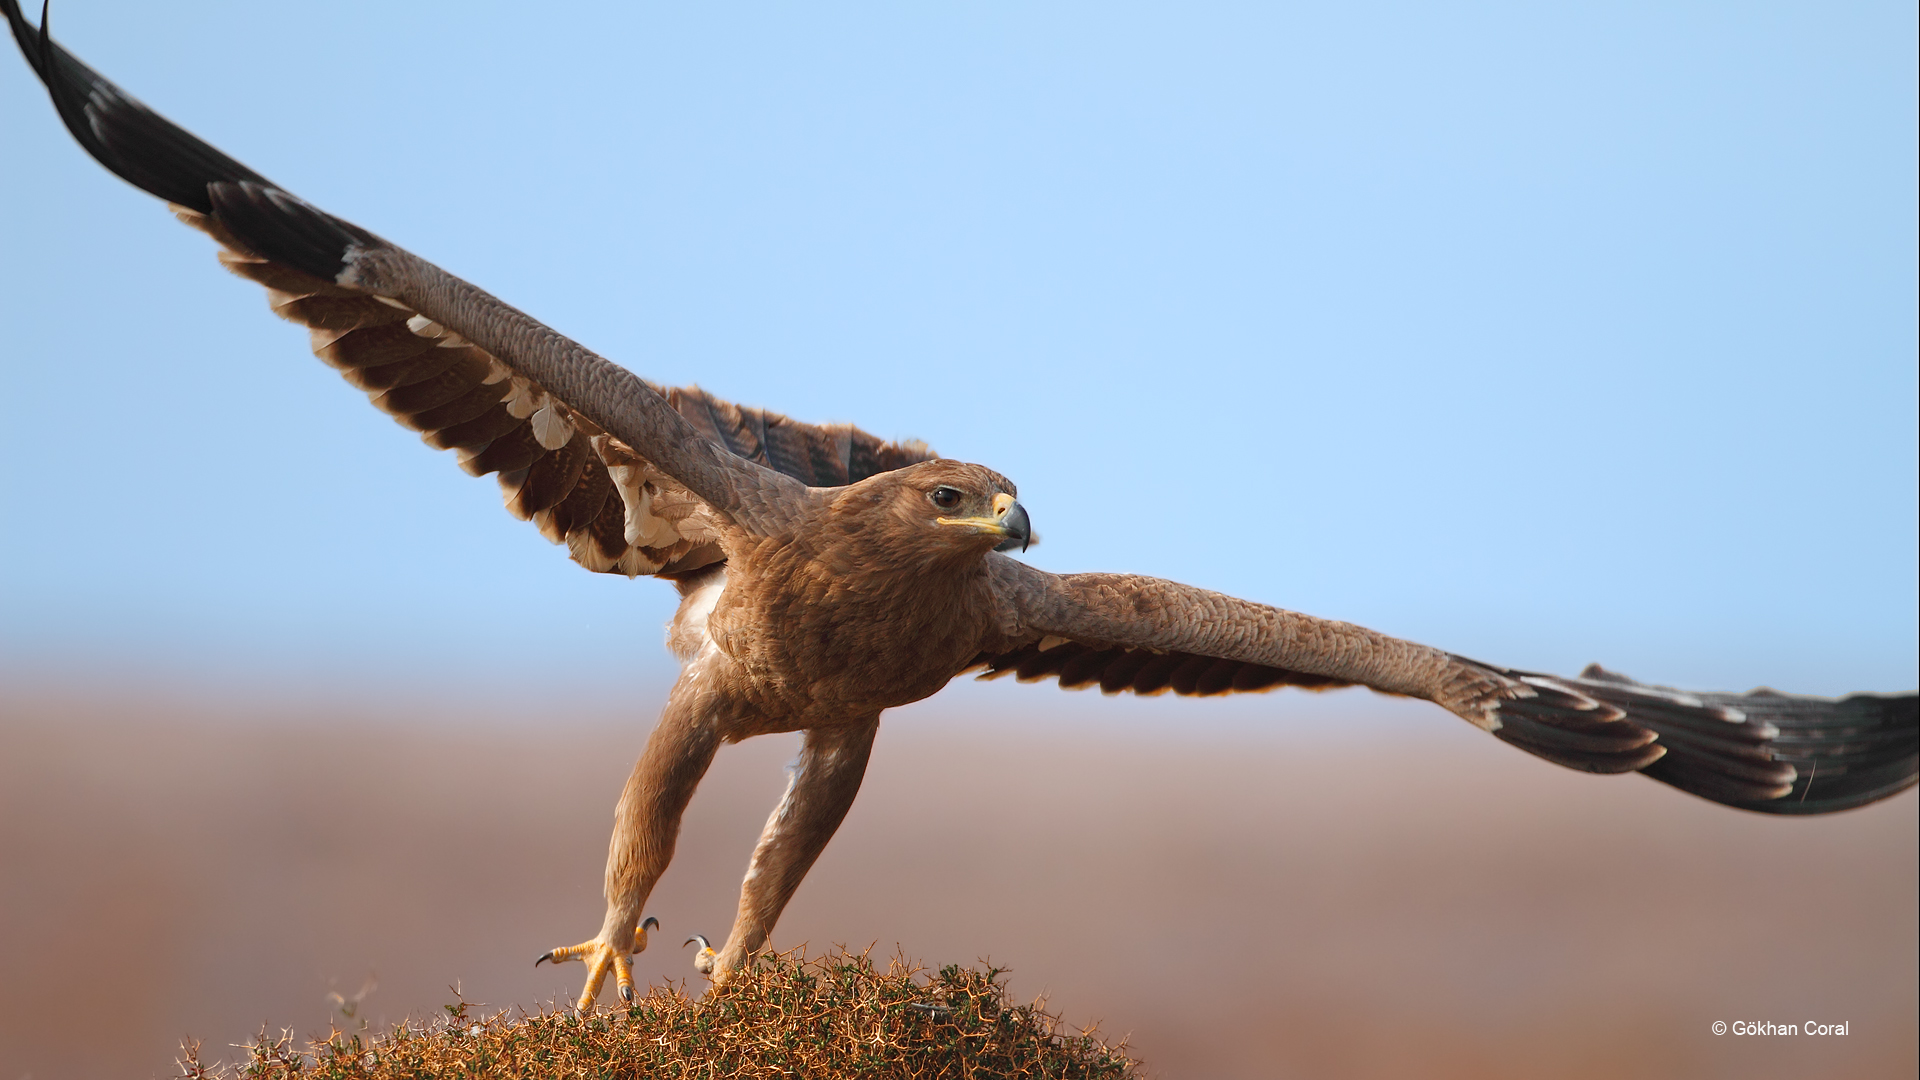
786, 1016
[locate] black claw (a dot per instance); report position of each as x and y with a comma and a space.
650, 921
544, 957
626, 994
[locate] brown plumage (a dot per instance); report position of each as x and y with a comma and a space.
827, 575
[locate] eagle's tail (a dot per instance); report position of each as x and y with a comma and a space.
1767, 751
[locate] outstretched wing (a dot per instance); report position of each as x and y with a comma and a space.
630, 476
1764, 751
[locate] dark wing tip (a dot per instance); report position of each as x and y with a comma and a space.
1576, 730
1845, 754
135, 143
161, 158
287, 229
1764, 751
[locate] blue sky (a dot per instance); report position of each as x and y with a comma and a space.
1545, 334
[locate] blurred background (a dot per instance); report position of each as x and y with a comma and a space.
1543, 336
1330, 893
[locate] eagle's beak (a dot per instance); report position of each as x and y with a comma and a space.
1009, 520
1013, 518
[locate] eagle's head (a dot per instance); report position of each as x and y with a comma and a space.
943, 507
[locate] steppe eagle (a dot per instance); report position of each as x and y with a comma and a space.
827, 575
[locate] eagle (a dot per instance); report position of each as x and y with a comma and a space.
827, 575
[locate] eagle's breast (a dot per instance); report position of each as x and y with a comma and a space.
838, 624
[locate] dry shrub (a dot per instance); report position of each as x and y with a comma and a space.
786, 1016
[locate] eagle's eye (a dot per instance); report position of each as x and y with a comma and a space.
946, 498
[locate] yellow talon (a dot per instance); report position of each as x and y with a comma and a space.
623, 978
600, 957
596, 974
570, 952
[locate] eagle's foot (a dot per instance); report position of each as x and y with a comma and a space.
600, 957
703, 961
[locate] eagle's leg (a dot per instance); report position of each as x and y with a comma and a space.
819, 793
646, 822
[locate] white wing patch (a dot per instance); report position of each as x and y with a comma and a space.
551, 429
643, 526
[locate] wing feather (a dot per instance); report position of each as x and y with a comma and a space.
467, 371
583, 502
1764, 751
550, 479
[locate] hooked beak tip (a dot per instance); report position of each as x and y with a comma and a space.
1019, 528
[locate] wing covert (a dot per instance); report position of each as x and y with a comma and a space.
1126, 631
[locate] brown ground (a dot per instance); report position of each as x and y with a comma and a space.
1279, 900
